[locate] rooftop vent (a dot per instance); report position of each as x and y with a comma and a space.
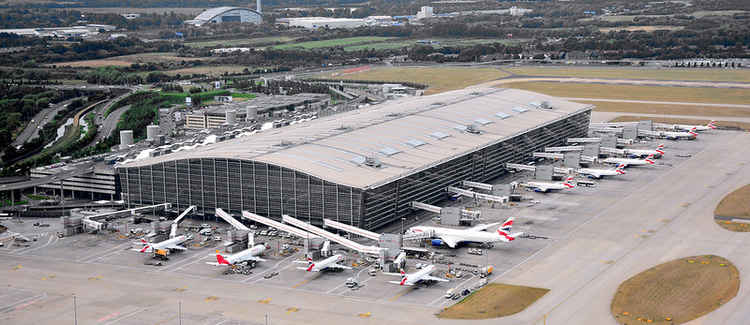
393, 115
483, 121
439, 135
519, 109
372, 162
389, 151
502, 115
472, 129
415, 143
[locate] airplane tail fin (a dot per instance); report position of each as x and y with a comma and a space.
620, 169
568, 182
693, 133
507, 225
403, 277
660, 149
712, 124
649, 159
507, 236
220, 259
146, 245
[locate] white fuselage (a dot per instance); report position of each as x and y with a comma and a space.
642, 152
547, 186
598, 173
459, 235
414, 278
168, 243
627, 161
247, 254
684, 127
677, 135
324, 264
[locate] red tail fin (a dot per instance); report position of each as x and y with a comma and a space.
309, 268
143, 250
220, 259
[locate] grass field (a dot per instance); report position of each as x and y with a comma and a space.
735, 205
439, 79
668, 109
443, 42
207, 70
677, 291
494, 300
738, 75
241, 42
630, 92
127, 60
332, 42
640, 28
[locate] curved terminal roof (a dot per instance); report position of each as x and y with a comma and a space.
406, 135
213, 12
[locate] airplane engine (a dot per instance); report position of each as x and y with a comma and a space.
437, 242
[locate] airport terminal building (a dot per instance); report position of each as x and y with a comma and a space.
362, 167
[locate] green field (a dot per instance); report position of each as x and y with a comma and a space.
707, 74
332, 43
242, 42
442, 42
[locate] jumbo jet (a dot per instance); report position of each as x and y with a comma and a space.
625, 162
671, 135
599, 173
686, 127
330, 263
169, 244
477, 234
248, 257
545, 187
422, 275
657, 153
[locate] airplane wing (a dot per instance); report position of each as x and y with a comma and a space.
339, 266
433, 278
251, 258
541, 188
177, 247
482, 227
450, 241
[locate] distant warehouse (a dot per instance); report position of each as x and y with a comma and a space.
226, 15
363, 167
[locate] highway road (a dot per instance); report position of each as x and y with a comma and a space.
635, 82
40, 119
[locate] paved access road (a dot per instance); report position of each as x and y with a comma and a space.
40, 119
635, 82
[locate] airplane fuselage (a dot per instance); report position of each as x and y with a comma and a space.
598, 173
461, 235
246, 254
627, 161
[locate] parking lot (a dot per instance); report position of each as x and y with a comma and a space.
546, 216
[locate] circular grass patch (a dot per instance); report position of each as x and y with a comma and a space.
676, 292
733, 212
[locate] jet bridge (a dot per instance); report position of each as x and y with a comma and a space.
613, 151
278, 225
597, 140
563, 149
475, 195
351, 229
481, 186
176, 222
556, 170
128, 211
426, 207
372, 250
229, 219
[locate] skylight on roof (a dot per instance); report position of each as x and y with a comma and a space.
519, 109
502, 115
461, 128
439, 135
483, 121
389, 151
415, 143
358, 160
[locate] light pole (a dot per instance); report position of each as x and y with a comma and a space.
75, 310
402, 225
179, 312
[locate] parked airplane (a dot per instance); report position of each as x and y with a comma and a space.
598, 173
248, 256
689, 135
625, 162
169, 244
422, 275
545, 187
330, 263
686, 127
657, 153
453, 237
